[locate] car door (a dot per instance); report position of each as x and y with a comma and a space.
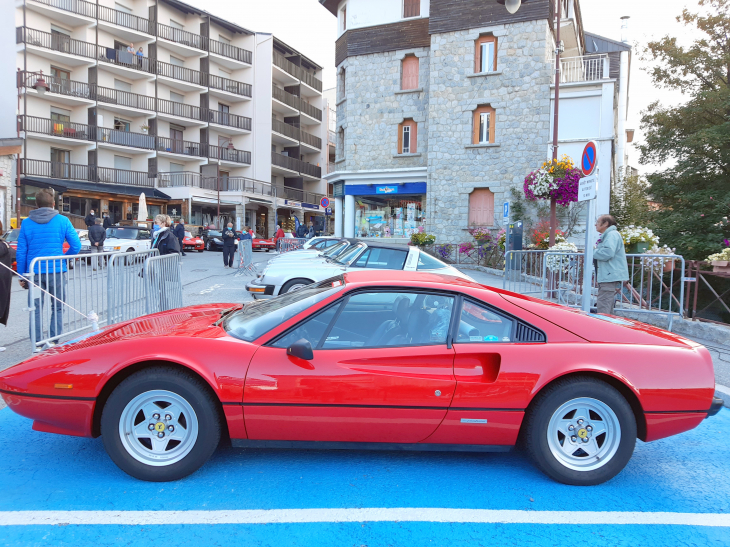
382, 372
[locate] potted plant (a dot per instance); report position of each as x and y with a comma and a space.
556, 179
561, 262
656, 264
145, 128
421, 239
637, 239
481, 234
720, 261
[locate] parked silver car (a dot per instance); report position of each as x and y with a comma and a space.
282, 277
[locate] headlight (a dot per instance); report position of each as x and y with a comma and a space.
108, 249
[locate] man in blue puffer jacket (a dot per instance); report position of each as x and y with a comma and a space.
43, 234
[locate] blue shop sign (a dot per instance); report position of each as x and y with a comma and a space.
385, 189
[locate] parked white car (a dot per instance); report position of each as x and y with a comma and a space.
320, 242
124, 239
279, 278
338, 247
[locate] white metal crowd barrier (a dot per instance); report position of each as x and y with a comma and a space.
655, 285
286, 244
245, 265
71, 294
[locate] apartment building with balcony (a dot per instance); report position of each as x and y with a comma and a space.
121, 97
444, 106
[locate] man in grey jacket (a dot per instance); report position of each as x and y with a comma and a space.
611, 259
97, 235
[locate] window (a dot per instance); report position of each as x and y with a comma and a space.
59, 83
407, 137
121, 85
341, 83
60, 115
485, 54
478, 324
176, 167
481, 207
411, 8
409, 72
122, 125
59, 163
341, 143
175, 61
484, 122
177, 97
343, 18
381, 259
311, 330
122, 162
222, 39
427, 262
378, 319
176, 25
123, 9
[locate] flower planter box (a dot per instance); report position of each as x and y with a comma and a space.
668, 266
721, 266
638, 248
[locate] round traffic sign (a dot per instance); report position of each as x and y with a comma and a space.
588, 159
324, 202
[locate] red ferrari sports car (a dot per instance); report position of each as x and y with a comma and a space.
258, 244
374, 360
193, 243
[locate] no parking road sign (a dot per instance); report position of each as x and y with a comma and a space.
324, 202
589, 159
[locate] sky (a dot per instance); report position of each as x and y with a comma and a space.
306, 26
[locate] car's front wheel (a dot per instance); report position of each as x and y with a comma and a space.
580, 431
294, 284
160, 424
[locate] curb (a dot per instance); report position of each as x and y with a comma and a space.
724, 393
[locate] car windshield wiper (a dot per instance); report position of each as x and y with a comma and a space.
224, 314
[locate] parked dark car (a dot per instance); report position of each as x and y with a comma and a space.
213, 240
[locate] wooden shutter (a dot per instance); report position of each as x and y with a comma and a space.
409, 72
411, 8
478, 52
476, 123
481, 207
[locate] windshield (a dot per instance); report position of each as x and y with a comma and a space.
121, 232
214, 233
336, 249
12, 235
188, 234
259, 317
350, 254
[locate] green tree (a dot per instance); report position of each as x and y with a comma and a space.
694, 193
630, 201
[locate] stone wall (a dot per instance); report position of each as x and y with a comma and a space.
6, 183
519, 91
374, 107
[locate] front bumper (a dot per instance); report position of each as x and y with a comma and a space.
715, 407
259, 290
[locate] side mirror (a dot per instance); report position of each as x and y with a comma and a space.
301, 349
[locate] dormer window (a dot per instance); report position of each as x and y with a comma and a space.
411, 8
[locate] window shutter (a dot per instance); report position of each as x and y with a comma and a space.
400, 138
409, 79
414, 132
481, 207
492, 124
490, 49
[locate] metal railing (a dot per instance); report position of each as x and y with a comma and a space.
231, 120
232, 52
285, 97
311, 140
79, 7
586, 68
246, 265
294, 164
175, 179
125, 138
228, 154
297, 72
163, 283
182, 110
178, 146
180, 73
706, 298
285, 129
90, 173
126, 59
56, 128
310, 110
55, 41
122, 176
60, 86
180, 36
123, 19
231, 86
123, 98
286, 244
126, 286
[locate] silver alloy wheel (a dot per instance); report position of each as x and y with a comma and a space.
584, 434
158, 428
297, 286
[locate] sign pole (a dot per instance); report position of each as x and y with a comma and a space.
587, 192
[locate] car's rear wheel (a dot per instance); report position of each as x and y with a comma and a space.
580, 431
207, 245
294, 284
160, 424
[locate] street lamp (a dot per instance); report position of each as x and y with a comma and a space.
41, 86
512, 7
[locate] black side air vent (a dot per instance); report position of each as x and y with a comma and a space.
528, 334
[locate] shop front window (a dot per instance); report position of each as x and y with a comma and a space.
396, 217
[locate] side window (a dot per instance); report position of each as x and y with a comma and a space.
427, 262
143, 234
330, 242
382, 259
312, 329
379, 319
479, 324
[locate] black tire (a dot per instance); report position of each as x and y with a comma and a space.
201, 250
537, 419
130, 250
181, 383
207, 245
289, 284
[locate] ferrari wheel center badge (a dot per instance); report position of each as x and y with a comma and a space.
582, 433
159, 426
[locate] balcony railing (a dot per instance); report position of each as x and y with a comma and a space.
108, 95
123, 19
296, 102
294, 164
309, 110
587, 68
125, 138
232, 52
79, 7
229, 154
311, 140
285, 129
180, 36
232, 86
293, 70
90, 173
179, 109
178, 179
179, 146
180, 73
60, 86
310, 80
55, 42
56, 128
122, 57
231, 120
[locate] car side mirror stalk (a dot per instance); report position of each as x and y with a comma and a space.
301, 349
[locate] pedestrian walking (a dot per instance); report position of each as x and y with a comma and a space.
278, 236
246, 234
310, 234
90, 219
165, 240
180, 234
229, 245
611, 259
97, 235
107, 221
43, 233
6, 281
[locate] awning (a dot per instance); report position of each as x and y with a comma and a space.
62, 185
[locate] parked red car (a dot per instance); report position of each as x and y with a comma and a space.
378, 359
259, 244
193, 243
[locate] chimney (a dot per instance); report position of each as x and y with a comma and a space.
625, 29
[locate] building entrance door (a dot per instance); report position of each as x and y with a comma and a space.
115, 211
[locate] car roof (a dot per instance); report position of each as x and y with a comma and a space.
407, 278
396, 246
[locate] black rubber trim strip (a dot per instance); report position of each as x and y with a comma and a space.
336, 445
403, 407
48, 396
676, 411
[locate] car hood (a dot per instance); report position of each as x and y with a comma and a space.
291, 257
117, 241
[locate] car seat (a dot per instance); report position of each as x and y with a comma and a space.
392, 327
